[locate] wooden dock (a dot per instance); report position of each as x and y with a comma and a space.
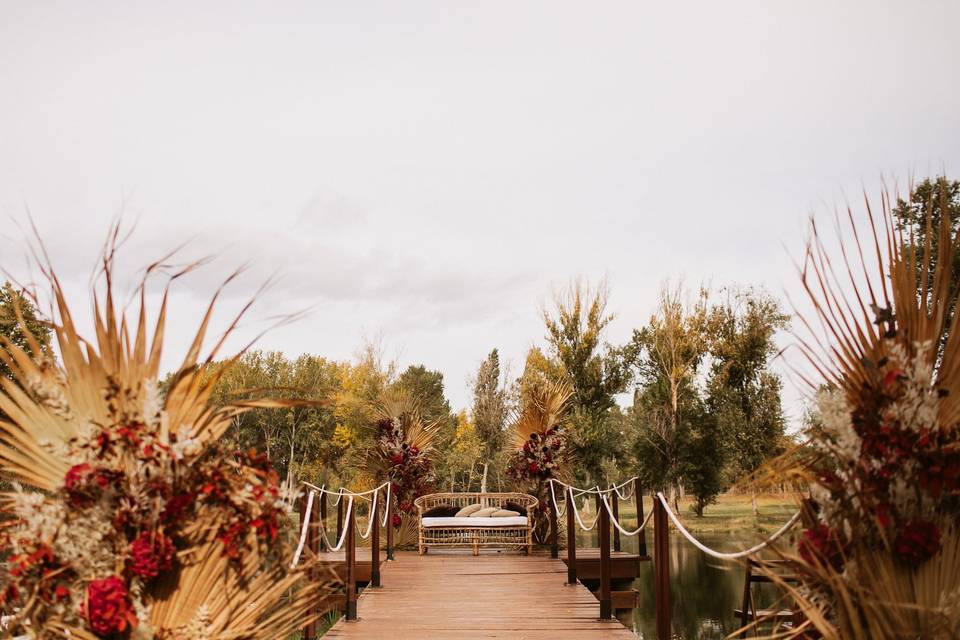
456, 595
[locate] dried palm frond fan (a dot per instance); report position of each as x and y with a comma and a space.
542, 445
129, 519
881, 555
402, 453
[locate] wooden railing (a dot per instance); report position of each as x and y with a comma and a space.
317, 542
604, 536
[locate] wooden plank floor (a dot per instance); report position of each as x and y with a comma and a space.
455, 595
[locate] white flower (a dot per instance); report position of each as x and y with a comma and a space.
835, 415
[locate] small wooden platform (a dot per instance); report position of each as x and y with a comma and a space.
448, 594
336, 561
623, 565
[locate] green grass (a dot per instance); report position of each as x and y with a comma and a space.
732, 513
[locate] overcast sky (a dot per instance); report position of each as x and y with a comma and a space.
429, 171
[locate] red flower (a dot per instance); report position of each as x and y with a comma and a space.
396, 459
108, 608
821, 544
151, 553
917, 541
534, 467
176, 506
414, 451
396, 521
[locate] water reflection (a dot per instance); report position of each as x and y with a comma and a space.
703, 591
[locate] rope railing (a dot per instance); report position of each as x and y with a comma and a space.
616, 521
718, 554
351, 495
603, 495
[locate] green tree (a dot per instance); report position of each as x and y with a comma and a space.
671, 348
426, 387
18, 317
490, 409
743, 394
935, 200
595, 370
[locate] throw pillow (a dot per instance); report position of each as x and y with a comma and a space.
441, 511
513, 506
467, 510
504, 513
484, 513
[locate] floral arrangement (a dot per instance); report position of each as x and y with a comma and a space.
880, 556
129, 518
401, 452
542, 445
540, 456
409, 468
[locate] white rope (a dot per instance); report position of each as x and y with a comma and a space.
616, 523
303, 529
386, 509
556, 507
717, 554
630, 492
576, 513
371, 517
346, 528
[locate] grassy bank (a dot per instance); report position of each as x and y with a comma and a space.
731, 513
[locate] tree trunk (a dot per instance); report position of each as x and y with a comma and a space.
470, 478
483, 480
753, 499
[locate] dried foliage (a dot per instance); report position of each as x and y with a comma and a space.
131, 520
882, 557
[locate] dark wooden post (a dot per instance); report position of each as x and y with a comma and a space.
323, 519
313, 542
351, 564
375, 543
638, 494
307, 628
606, 602
389, 526
571, 540
340, 517
616, 516
554, 547
661, 568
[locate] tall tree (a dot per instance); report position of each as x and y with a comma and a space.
936, 200
18, 318
595, 370
671, 348
742, 392
490, 409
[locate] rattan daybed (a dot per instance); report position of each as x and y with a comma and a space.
472, 531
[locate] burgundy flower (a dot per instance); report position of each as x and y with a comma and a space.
176, 506
396, 459
108, 607
917, 541
151, 553
534, 467
821, 544
396, 520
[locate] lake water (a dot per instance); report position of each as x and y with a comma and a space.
703, 591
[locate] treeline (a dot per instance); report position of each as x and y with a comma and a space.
689, 402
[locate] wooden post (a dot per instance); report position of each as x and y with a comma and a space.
616, 516
351, 585
554, 547
389, 526
571, 540
307, 628
375, 543
323, 519
313, 543
638, 495
606, 602
340, 518
661, 568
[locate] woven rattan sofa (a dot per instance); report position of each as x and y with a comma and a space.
475, 532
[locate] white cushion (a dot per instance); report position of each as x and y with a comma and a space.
517, 521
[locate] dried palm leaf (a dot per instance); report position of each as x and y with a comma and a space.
543, 410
